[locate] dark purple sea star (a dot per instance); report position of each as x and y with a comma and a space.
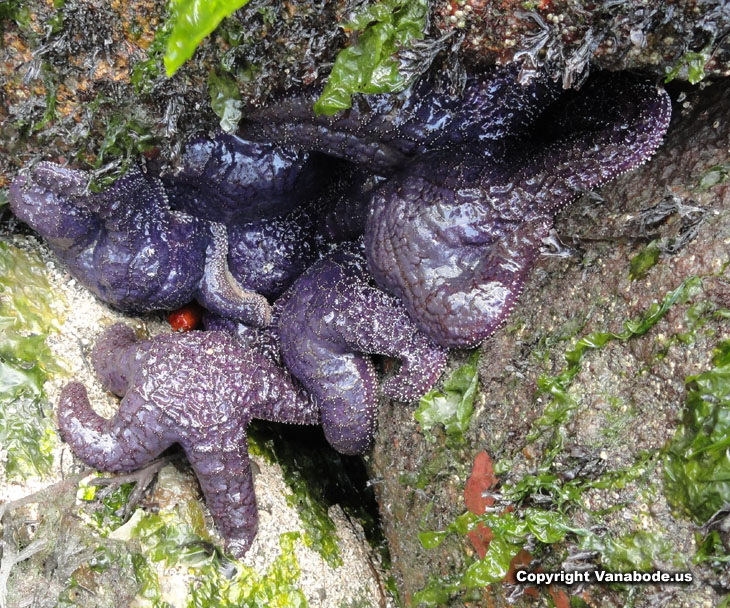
455, 234
129, 247
198, 389
148, 243
325, 326
384, 132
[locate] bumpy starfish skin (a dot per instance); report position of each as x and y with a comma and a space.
267, 255
129, 247
327, 323
455, 234
382, 132
198, 389
228, 179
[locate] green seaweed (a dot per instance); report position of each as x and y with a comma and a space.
692, 65
714, 176
559, 410
14, 10
711, 548
540, 527
643, 261
146, 73
108, 512
248, 589
125, 138
27, 434
148, 590
453, 405
697, 464
176, 536
192, 21
641, 550
225, 99
551, 522
370, 64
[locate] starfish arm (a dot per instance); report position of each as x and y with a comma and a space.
278, 396
383, 132
227, 179
114, 358
219, 291
224, 472
477, 304
129, 440
346, 388
614, 124
377, 323
46, 197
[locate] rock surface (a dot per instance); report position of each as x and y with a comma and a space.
628, 394
83, 81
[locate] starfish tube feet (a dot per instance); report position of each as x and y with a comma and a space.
221, 293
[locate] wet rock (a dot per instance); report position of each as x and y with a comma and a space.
622, 400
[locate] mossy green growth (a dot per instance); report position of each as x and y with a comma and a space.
559, 410
641, 550
302, 473
453, 405
125, 138
541, 527
714, 176
26, 318
14, 10
370, 65
192, 21
248, 589
148, 590
711, 548
108, 514
176, 536
697, 464
146, 73
691, 65
551, 522
644, 261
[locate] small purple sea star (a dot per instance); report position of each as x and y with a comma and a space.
198, 389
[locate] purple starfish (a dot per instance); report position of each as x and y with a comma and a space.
127, 245
383, 132
455, 234
198, 389
327, 324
